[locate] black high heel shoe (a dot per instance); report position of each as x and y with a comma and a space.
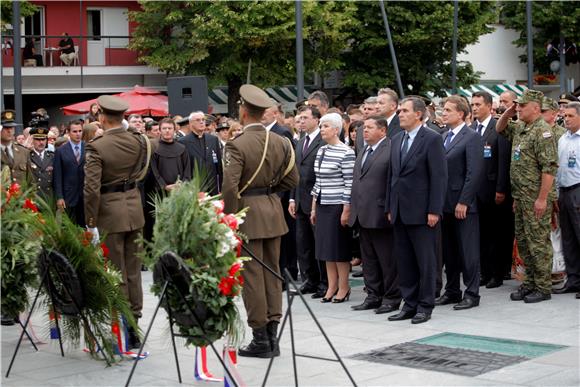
324, 300
341, 300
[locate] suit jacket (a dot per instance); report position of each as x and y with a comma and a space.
209, 159
464, 166
113, 158
393, 129
495, 176
367, 203
305, 164
265, 217
416, 185
41, 171
284, 132
69, 176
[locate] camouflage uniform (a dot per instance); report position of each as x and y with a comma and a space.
534, 153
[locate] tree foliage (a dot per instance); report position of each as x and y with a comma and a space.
548, 19
26, 9
219, 38
422, 36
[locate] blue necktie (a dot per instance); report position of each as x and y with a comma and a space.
448, 139
405, 147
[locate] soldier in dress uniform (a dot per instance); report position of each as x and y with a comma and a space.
115, 163
14, 155
41, 163
258, 164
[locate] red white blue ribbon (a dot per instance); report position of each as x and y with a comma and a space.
201, 371
230, 355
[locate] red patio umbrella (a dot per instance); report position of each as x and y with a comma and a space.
141, 100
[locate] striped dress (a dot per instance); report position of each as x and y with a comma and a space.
333, 169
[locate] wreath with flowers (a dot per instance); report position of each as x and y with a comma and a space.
19, 245
193, 225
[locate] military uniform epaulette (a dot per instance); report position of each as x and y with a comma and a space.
95, 139
21, 146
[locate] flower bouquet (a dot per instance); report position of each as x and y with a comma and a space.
19, 245
193, 225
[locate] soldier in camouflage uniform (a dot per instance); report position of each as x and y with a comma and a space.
550, 111
533, 168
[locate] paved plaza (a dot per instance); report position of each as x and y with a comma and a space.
555, 322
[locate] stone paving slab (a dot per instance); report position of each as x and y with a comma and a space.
552, 322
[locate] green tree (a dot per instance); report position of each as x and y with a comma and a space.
26, 9
422, 36
548, 19
219, 38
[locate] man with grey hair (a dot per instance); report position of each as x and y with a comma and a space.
387, 104
569, 198
369, 107
416, 189
204, 152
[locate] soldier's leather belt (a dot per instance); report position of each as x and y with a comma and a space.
566, 189
123, 187
258, 191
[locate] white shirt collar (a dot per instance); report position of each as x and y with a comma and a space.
413, 133
270, 126
313, 135
485, 122
457, 129
374, 147
389, 119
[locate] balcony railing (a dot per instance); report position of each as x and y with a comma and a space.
91, 50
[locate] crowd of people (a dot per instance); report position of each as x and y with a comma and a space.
408, 189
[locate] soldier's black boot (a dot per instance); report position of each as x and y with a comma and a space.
273, 336
7, 320
134, 341
259, 346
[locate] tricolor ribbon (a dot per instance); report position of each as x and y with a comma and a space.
54, 334
230, 355
201, 372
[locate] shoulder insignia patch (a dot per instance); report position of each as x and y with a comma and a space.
547, 134
227, 158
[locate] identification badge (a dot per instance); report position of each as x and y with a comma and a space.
214, 157
572, 160
517, 153
487, 151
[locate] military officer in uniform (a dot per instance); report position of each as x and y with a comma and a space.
115, 162
257, 165
550, 111
14, 155
41, 163
533, 168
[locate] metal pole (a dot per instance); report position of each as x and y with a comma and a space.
1, 71
79, 54
17, 65
562, 63
392, 49
299, 51
530, 44
454, 52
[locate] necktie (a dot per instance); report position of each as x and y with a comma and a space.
366, 160
77, 154
480, 129
448, 139
405, 147
306, 143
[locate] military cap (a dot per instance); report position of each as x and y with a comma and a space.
184, 121
210, 118
222, 126
110, 103
253, 95
531, 96
8, 117
39, 133
567, 98
549, 104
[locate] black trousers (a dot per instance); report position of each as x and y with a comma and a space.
569, 203
461, 254
310, 267
415, 249
77, 213
288, 257
379, 265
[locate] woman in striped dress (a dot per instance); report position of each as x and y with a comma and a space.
331, 207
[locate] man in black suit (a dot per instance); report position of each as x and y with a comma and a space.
204, 152
288, 260
414, 204
460, 218
387, 104
494, 201
312, 274
367, 210
69, 174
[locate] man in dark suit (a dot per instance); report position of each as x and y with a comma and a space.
204, 152
414, 204
312, 274
69, 174
367, 210
494, 200
387, 104
460, 218
288, 258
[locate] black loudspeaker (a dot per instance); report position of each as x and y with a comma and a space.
186, 95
